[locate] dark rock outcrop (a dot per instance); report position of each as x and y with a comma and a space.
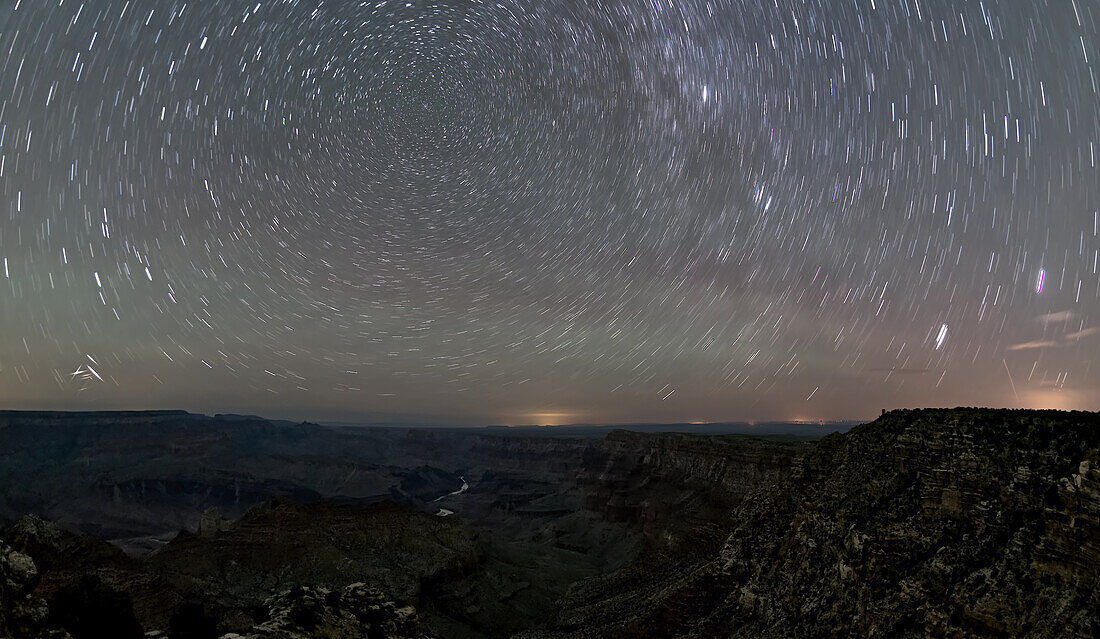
283, 544
64, 558
21, 612
223, 578
356, 612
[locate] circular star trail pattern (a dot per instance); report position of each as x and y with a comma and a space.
548, 210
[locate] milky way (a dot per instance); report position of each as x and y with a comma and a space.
549, 210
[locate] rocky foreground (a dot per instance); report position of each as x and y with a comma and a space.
960, 523
85, 588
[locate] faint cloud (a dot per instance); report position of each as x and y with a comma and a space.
901, 371
1032, 345
1060, 316
1084, 333
1066, 340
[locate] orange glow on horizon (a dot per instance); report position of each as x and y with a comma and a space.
547, 418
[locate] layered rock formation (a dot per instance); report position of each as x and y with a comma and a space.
678, 491
130, 474
678, 487
964, 523
137, 476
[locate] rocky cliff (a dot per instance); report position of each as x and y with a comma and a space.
678, 492
678, 487
962, 523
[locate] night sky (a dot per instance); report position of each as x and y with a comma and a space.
546, 211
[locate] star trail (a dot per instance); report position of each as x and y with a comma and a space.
525, 210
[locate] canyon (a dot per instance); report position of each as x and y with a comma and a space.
963, 522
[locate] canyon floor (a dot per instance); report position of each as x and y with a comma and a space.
962, 523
